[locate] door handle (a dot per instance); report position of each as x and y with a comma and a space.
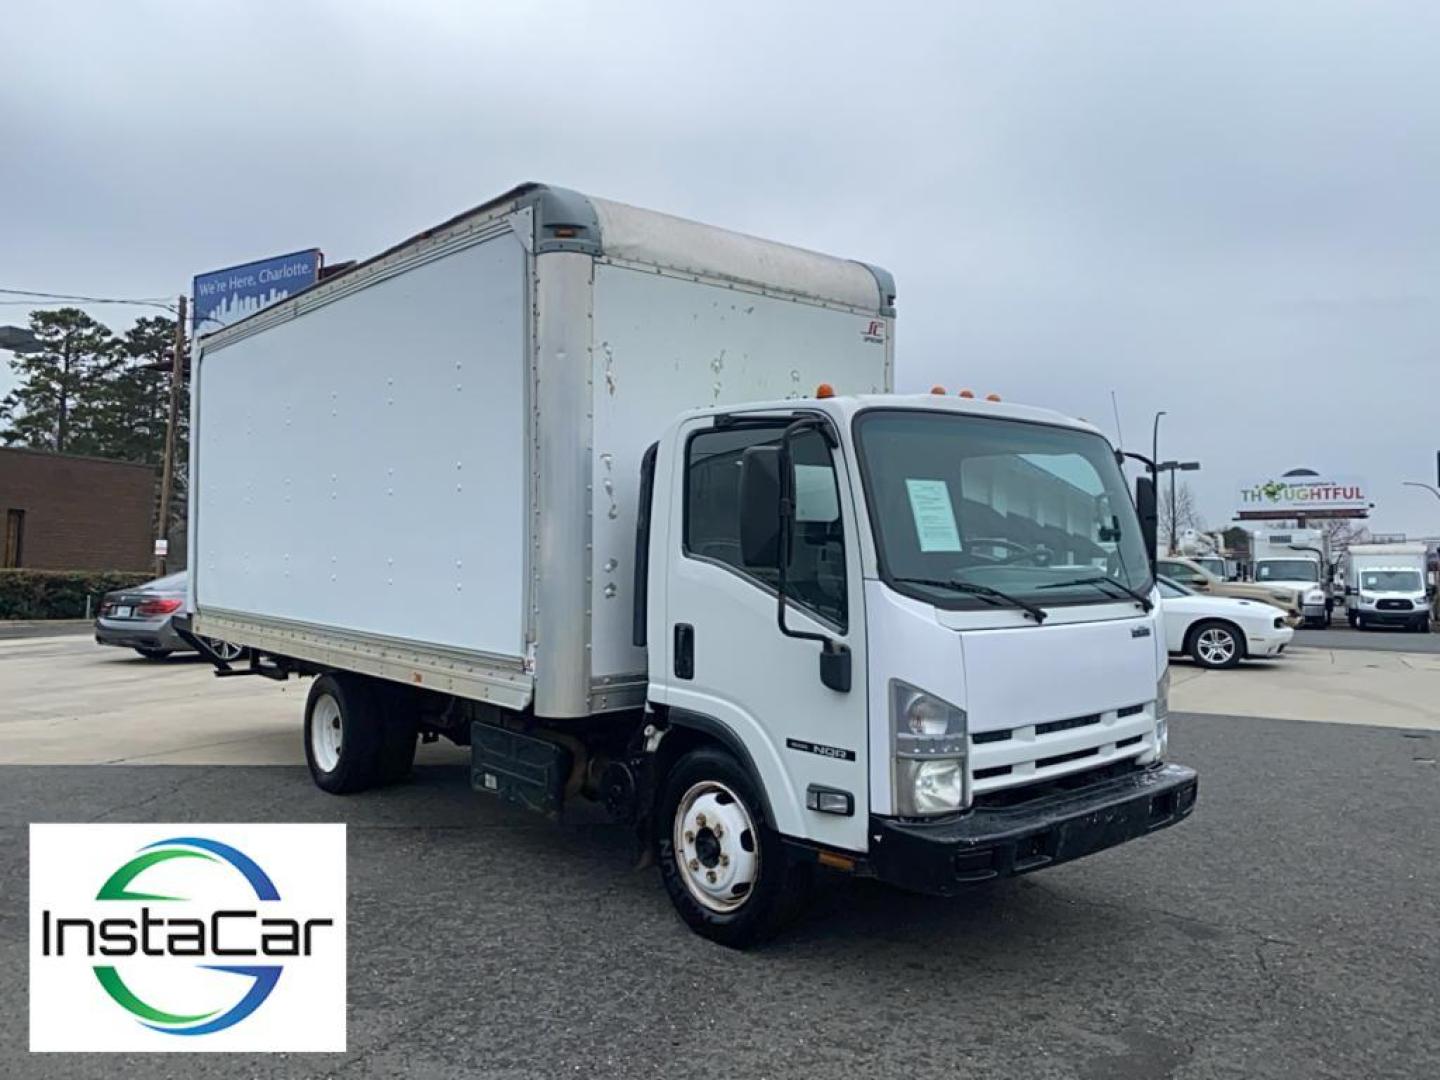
684, 651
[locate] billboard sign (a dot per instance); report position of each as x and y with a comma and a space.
226, 296
1305, 496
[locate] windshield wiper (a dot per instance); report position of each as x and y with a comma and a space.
1139, 597
984, 592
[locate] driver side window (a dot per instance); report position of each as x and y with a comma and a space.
815, 573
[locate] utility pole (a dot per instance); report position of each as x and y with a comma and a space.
167, 467
1174, 519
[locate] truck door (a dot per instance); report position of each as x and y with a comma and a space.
724, 658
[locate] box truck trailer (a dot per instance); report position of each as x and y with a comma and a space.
1387, 585
625, 504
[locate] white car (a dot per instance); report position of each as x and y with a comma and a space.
1219, 631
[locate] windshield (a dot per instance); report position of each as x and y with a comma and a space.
1287, 570
1037, 511
1390, 580
1214, 565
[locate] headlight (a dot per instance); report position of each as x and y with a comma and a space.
931, 748
1315, 596
1162, 715
1279, 622
1366, 598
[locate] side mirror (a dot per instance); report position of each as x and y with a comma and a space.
760, 506
1145, 507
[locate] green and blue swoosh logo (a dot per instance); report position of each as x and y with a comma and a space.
121, 885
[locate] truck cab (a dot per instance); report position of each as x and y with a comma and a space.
926, 625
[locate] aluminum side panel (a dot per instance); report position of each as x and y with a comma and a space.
361, 465
665, 344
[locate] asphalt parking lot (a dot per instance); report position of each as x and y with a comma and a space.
1289, 929
1380, 638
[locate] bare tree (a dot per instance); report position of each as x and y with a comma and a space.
1340, 533
1178, 512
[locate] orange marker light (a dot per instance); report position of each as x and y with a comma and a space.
967, 393
992, 397
937, 390
824, 390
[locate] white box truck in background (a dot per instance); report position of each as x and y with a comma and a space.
1387, 585
1299, 559
624, 504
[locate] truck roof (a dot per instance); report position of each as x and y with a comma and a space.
560, 219
1387, 549
846, 406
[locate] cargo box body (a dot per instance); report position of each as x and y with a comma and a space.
426, 468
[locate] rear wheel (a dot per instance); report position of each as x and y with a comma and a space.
1216, 645
727, 873
153, 654
342, 734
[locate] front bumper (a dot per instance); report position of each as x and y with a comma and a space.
992, 842
1391, 617
1273, 644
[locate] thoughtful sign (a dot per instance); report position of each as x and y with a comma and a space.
1294, 496
226, 296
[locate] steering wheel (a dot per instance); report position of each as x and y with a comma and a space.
1040, 556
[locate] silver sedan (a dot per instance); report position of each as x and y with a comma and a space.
140, 618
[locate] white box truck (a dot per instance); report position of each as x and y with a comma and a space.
1299, 559
623, 503
1386, 585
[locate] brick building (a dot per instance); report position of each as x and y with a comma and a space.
61, 512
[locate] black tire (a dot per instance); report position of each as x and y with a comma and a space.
1424, 625
357, 719
153, 654
780, 884
1360, 623
1206, 646
1352, 619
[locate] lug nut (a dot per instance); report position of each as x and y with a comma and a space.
694, 864
724, 860
700, 820
719, 831
710, 876
689, 837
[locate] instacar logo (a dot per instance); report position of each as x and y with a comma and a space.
187, 940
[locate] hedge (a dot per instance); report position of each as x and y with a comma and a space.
59, 594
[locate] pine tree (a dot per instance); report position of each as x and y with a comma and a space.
132, 404
60, 399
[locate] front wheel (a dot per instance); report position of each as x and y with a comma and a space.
1216, 645
728, 874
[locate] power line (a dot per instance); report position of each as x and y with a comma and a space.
143, 301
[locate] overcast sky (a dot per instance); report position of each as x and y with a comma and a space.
1227, 211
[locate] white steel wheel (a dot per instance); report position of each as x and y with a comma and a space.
717, 846
326, 732
1216, 646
